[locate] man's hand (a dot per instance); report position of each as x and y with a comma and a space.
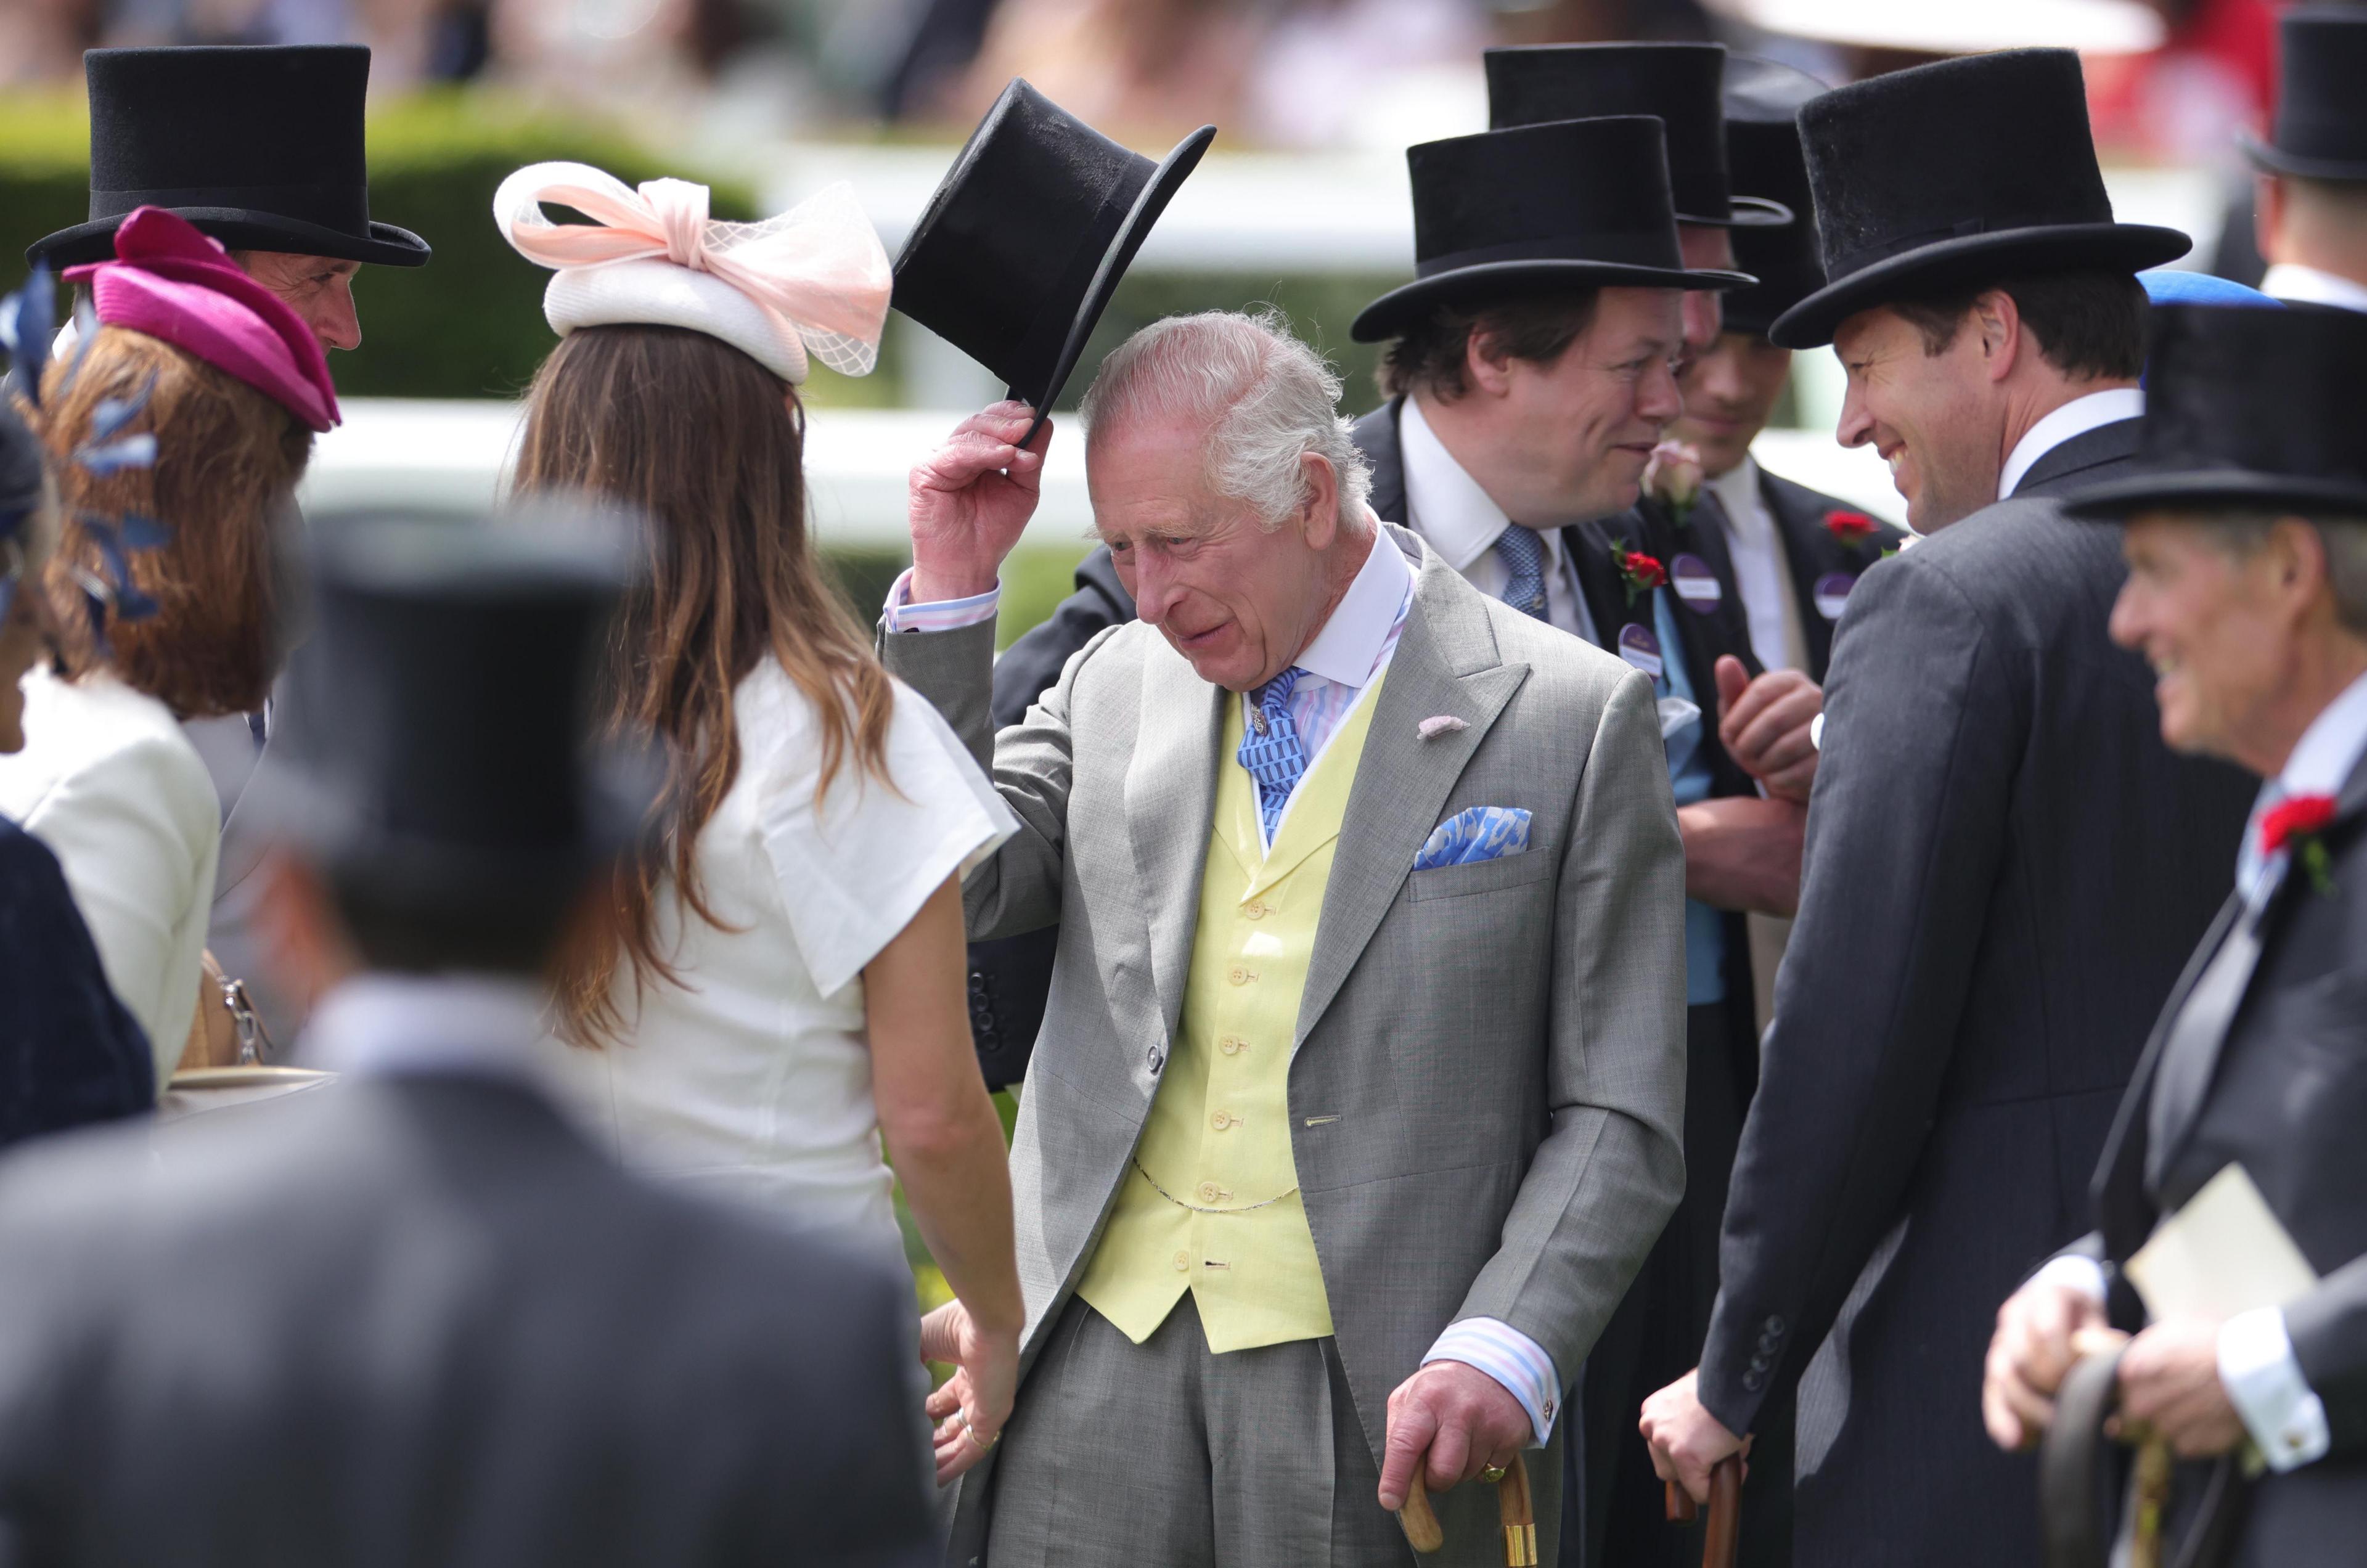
2169, 1381
1687, 1440
1457, 1417
972, 1407
1764, 726
970, 499
1742, 853
2042, 1330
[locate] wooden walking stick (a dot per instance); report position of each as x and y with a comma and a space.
1514, 1510
1724, 1533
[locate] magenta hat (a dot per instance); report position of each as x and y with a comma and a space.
174, 283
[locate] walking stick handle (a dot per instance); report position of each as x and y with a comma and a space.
1515, 1510
1723, 1533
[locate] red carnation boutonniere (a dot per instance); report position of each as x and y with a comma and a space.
1640, 572
1673, 477
2298, 826
1851, 529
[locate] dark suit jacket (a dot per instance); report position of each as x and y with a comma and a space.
2005, 870
419, 1321
1812, 552
2287, 1100
70, 1053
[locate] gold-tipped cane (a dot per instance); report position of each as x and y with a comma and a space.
1724, 1533
1513, 1508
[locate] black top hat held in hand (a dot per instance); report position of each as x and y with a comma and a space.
437, 742
2321, 129
1762, 147
1577, 204
1958, 173
260, 147
2250, 408
1678, 82
1018, 252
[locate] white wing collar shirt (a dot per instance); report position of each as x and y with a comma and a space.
1761, 575
2285, 1417
2075, 418
1459, 520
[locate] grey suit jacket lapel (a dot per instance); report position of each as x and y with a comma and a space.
1170, 800
1445, 662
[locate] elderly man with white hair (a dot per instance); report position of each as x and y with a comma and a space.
1357, 1101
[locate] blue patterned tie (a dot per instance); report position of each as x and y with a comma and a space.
1524, 555
1271, 751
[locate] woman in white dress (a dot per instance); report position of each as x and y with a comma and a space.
781, 989
177, 432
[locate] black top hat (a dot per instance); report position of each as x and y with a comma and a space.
260, 147
1024, 241
437, 722
1533, 84
2321, 130
1953, 174
1579, 204
1762, 147
2248, 407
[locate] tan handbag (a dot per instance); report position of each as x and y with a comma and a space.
226, 1032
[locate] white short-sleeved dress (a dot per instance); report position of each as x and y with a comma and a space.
752, 1077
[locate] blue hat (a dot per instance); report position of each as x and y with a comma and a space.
2170, 285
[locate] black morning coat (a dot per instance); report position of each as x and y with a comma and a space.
419, 1320
2005, 869
2287, 1099
70, 1053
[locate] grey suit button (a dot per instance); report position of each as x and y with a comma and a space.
1158, 1059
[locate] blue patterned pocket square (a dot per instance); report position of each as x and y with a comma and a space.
1475, 834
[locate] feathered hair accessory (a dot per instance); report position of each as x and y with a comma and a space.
813, 282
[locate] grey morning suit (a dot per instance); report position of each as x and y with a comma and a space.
1486, 1090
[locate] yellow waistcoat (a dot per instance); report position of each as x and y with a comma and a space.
1218, 1134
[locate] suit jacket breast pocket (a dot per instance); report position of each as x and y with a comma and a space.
1531, 864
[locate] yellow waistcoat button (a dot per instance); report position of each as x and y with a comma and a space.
1223, 1120
1182, 1261
1239, 976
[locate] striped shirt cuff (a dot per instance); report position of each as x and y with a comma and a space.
946, 616
1513, 1359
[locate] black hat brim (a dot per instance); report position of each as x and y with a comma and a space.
2056, 247
2275, 159
2210, 490
1391, 314
1748, 212
1148, 203
242, 228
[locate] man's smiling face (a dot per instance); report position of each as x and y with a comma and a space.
317, 288
1928, 415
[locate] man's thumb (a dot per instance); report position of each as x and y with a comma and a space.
1733, 679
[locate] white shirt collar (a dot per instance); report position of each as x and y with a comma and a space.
2330, 747
2076, 417
1738, 491
2308, 285
1455, 515
381, 1024
1353, 639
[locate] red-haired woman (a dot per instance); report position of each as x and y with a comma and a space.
782, 986
178, 433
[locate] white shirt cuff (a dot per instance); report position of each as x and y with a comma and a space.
2074, 1271
944, 616
2287, 1420
1513, 1359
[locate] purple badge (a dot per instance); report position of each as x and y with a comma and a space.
1696, 584
1832, 593
1639, 647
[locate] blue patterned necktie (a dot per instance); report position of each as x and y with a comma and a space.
1524, 555
1271, 750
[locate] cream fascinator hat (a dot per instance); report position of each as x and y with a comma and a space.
810, 284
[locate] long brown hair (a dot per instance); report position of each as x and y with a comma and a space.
227, 461
710, 445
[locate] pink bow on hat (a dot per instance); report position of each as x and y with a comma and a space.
816, 273
178, 286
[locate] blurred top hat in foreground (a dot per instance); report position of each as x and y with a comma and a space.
1018, 252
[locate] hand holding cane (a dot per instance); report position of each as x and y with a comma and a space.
1514, 1510
1724, 1533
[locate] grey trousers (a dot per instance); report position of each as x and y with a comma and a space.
1163, 1452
